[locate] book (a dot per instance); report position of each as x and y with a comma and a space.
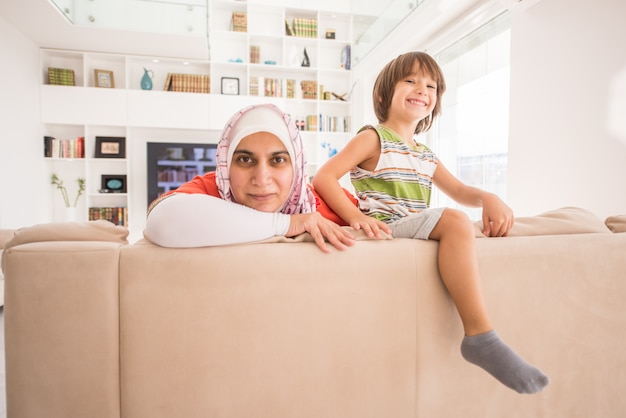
291, 88
345, 57
253, 87
255, 54
64, 148
302, 27
309, 89
115, 215
239, 22
288, 29
60, 76
189, 83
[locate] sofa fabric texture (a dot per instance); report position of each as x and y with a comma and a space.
616, 223
97, 327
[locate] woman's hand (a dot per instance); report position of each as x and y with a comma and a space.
498, 217
321, 229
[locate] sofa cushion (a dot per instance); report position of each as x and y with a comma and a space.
568, 220
99, 230
6, 235
616, 223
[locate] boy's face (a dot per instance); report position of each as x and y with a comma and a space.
261, 172
414, 96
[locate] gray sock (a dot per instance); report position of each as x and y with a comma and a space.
489, 352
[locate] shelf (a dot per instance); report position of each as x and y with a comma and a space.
156, 115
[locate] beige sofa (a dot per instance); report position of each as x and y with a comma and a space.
96, 327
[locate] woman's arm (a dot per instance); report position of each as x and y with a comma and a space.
200, 220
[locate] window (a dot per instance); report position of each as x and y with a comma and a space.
471, 136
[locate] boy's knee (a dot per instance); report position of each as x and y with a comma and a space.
457, 219
455, 215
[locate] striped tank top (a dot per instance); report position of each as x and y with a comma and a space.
401, 184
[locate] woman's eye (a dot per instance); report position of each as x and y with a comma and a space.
244, 159
279, 160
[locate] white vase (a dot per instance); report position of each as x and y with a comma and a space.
70, 214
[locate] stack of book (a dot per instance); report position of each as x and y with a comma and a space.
302, 27
190, 83
63, 148
309, 89
322, 123
176, 175
272, 87
311, 123
239, 22
60, 76
291, 88
255, 54
334, 123
253, 87
115, 215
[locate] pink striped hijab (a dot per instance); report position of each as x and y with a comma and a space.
265, 118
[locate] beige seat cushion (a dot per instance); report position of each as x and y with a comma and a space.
616, 223
568, 220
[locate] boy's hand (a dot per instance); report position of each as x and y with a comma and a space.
372, 227
321, 229
498, 217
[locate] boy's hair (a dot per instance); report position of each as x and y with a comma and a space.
396, 70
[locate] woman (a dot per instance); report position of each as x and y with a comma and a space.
259, 190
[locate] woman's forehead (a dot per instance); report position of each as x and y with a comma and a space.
261, 142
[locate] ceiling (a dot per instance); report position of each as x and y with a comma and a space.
45, 25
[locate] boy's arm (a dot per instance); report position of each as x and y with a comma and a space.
326, 182
497, 216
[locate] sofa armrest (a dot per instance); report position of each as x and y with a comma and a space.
62, 329
563, 221
5, 235
616, 223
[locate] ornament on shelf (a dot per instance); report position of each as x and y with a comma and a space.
306, 62
146, 80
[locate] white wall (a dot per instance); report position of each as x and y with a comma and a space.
568, 107
567, 142
24, 197
568, 90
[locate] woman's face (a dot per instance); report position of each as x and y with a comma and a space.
261, 172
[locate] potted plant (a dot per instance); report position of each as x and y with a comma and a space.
56, 181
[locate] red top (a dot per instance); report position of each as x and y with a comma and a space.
206, 184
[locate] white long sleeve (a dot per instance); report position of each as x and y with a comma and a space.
198, 220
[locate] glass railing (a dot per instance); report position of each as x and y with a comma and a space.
190, 18
178, 17
374, 30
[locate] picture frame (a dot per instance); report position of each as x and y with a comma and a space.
230, 85
113, 183
110, 147
104, 78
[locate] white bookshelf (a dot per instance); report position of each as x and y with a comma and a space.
142, 116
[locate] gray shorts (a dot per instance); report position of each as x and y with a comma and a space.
418, 226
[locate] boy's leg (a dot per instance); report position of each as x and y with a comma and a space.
458, 266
